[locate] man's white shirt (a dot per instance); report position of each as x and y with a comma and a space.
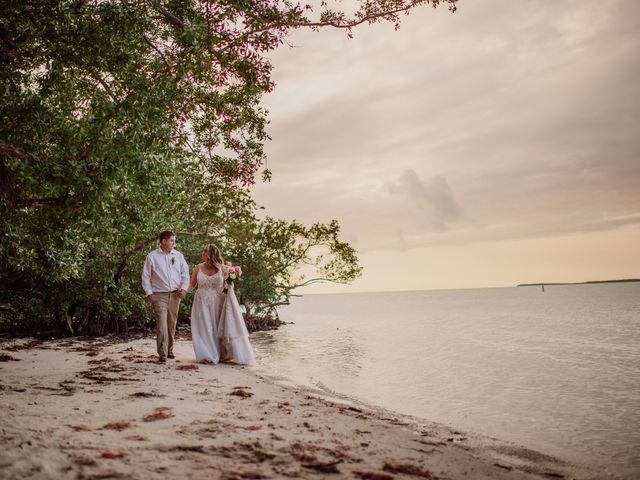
164, 272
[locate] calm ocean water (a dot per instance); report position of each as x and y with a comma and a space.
557, 371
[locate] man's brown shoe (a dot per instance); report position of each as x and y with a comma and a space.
162, 360
171, 355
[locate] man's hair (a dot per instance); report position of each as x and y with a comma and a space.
166, 234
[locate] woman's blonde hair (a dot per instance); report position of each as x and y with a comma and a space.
213, 256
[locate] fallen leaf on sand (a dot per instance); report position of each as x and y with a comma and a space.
323, 467
192, 366
118, 426
160, 413
112, 455
407, 469
80, 428
137, 438
373, 475
241, 393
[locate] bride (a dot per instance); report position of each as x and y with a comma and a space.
218, 330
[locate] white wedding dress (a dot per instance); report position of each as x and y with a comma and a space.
218, 331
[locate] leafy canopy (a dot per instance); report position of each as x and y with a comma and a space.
121, 118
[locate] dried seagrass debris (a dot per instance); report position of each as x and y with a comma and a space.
160, 413
330, 467
147, 395
81, 428
372, 475
119, 426
242, 392
187, 367
406, 469
113, 455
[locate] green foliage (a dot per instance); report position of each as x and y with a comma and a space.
279, 256
119, 119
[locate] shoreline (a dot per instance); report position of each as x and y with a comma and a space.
590, 282
103, 408
321, 390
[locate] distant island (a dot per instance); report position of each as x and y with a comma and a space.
579, 283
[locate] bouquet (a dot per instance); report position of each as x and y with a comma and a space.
234, 271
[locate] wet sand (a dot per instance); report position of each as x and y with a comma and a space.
104, 408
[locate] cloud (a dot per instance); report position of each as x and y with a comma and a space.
504, 121
434, 198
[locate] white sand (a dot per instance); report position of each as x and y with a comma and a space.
58, 400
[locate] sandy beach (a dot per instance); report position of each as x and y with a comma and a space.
104, 408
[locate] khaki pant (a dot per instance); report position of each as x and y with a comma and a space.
166, 307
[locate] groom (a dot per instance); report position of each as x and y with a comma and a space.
165, 279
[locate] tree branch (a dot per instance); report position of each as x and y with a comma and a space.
124, 258
375, 16
104, 84
311, 281
17, 152
279, 303
42, 202
192, 234
154, 46
366, 18
171, 18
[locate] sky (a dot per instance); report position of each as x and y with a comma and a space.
494, 146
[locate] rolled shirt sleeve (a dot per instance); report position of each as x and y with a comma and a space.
147, 271
184, 273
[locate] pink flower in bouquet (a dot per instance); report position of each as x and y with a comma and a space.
233, 271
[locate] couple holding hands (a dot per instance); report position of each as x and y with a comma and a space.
218, 331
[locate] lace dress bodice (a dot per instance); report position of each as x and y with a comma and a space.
210, 285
